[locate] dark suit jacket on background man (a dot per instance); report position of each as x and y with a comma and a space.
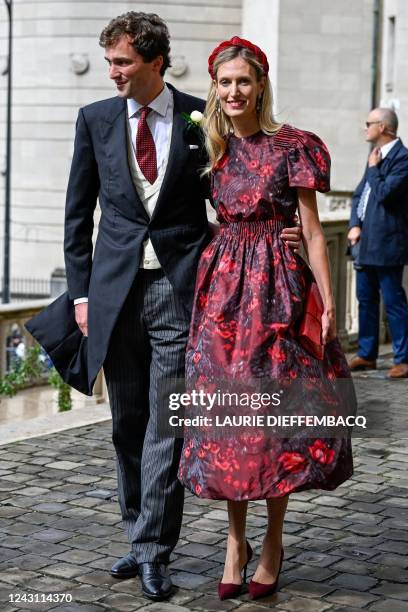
384, 240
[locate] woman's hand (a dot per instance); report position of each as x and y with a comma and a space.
329, 331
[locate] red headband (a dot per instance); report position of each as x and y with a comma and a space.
236, 41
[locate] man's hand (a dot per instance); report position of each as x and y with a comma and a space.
81, 317
354, 234
374, 157
292, 236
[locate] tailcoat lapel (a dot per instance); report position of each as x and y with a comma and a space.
178, 152
113, 129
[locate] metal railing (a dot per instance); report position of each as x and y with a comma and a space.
25, 289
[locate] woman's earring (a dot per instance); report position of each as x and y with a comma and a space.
259, 104
217, 105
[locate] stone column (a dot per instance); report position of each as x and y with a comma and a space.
394, 50
260, 25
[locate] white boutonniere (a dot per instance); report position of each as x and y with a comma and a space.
196, 117
193, 120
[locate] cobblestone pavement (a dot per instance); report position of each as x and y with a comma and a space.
345, 550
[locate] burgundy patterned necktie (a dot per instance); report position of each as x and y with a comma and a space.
145, 147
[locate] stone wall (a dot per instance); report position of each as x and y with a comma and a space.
324, 77
49, 39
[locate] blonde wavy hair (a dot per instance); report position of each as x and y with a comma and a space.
216, 124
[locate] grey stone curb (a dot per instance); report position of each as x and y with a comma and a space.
40, 426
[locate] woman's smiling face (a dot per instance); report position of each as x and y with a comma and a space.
238, 88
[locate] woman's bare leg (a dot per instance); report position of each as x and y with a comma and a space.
236, 555
268, 566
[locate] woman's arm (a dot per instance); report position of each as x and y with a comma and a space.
314, 242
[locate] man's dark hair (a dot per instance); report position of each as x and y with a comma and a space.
149, 35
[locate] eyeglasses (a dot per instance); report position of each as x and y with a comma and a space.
368, 123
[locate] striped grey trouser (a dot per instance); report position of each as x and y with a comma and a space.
147, 347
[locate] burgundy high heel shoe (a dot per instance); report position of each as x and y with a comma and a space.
258, 590
229, 590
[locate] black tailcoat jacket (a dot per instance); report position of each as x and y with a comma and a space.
178, 230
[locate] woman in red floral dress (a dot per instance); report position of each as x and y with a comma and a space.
249, 298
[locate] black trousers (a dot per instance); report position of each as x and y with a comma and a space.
146, 349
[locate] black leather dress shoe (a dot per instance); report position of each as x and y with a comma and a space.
156, 583
125, 568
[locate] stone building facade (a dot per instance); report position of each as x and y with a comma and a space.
321, 54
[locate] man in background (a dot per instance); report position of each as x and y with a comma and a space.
379, 226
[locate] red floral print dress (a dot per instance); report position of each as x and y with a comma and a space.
249, 297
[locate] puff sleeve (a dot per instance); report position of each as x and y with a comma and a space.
309, 162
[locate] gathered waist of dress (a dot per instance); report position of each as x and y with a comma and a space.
251, 228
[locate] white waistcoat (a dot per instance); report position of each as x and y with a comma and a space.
148, 194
